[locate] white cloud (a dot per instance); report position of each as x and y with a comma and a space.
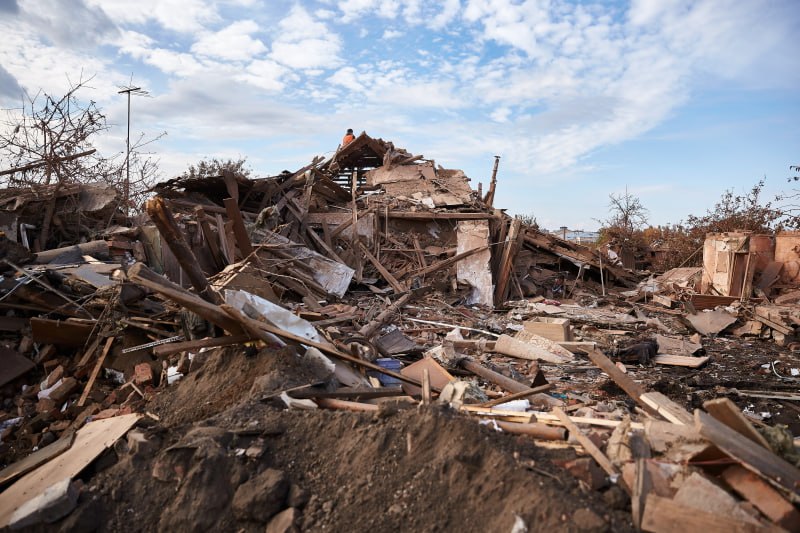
305, 43
178, 15
391, 34
265, 74
233, 42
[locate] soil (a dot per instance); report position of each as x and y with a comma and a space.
221, 460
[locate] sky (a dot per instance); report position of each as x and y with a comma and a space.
674, 101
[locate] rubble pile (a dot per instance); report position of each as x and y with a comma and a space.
194, 350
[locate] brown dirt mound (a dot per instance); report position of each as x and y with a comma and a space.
397, 470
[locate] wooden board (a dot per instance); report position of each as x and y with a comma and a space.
60, 332
35, 459
90, 442
12, 365
680, 360
668, 409
763, 497
439, 377
724, 410
662, 515
751, 455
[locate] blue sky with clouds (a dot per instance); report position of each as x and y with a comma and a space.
675, 100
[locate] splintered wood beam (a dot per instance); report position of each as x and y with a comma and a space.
517, 395
368, 330
231, 185
751, 455
239, 231
396, 285
162, 217
142, 275
211, 342
633, 389
497, 378
418, 251
211, 239
506, 266
95, 371
322, 246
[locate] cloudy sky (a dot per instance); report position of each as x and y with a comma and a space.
677, 100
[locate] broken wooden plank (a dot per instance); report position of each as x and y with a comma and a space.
345, 405
681, 360
211, 239
368, 330
162, 217
446, 263
512, 347
763, 497
491, 376
396, 285
663, 515
537, 431
95, 371
506, 265
239, 230
141, 274
517, 395
668, 409
210, 342
632, 389
61, 332
90, 442
724, 410
752, 456
591, 448
36, 459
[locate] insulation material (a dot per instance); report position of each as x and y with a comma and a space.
475, 269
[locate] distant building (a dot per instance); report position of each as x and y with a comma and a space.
579, 236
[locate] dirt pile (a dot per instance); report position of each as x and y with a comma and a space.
223, 467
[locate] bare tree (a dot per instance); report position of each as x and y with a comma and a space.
48, 140
627, 215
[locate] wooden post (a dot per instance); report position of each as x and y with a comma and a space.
95, 371
489, 198
507, 262
211, 240
239, 231
162, 217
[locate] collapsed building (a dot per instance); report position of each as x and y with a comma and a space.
369, 282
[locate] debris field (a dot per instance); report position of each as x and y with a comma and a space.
369, 343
